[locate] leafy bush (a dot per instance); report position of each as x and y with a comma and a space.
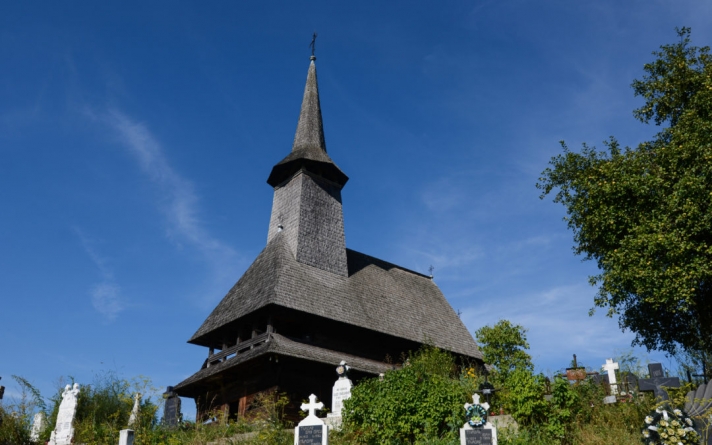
420, 403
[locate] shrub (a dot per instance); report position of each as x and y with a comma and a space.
420, 403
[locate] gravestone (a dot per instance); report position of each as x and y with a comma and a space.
311, 430
39, 423
126, 437
135, 410
64, 430
656, 370
698, 405
656, 382
610, 367
483, 432
171, 411
341, 390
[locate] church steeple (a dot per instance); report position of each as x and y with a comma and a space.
306, 210
309, 147
310, 129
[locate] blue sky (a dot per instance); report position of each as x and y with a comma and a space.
136, 139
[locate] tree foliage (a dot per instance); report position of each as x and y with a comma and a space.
504, 346
421, 402
644, 214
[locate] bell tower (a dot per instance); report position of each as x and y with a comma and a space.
306, 209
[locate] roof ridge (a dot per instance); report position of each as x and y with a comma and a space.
405, 269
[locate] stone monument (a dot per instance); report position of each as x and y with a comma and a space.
477, 430
126, 437
171, 411
64, 429
341, 390
135, 410
699, 406
39, 423
311, 430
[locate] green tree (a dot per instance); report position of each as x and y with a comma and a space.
644, 214
504, 346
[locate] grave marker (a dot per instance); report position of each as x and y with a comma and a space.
610, 367
698, 403
39, 423
126, 437
171, 411
135, 410
657, 381
341, 390
656, 370
483, 432
64, 430
311, 430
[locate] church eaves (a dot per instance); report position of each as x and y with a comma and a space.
309, 147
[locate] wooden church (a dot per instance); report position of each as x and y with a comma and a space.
307, 302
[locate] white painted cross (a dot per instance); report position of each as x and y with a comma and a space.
611, 367
312, 406
476, 401
311, 429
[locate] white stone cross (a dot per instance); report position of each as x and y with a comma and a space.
611, 367
476, 401
312, 406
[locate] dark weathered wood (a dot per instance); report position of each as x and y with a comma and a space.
239, 348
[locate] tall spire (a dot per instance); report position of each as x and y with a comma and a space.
310, 129
309, 146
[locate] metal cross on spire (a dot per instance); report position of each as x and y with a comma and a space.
312, 45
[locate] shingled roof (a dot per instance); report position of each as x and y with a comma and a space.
376, 295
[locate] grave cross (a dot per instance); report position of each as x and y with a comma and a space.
476, 401
657, 381
487, 389
312, 406
610, 366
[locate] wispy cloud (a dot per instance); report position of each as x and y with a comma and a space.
178, 201
105, 298
105, 295
182, 200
